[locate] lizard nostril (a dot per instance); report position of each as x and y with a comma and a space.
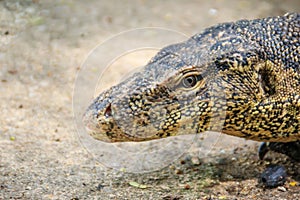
108, 111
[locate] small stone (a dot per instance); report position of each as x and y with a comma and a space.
165, 187
182, 162
178, 171
187, 186
195, 161
12, 71
172, 167
100, 187
281, 189
28, 188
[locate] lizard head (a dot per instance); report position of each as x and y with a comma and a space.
232, 67
152, 103
171, 95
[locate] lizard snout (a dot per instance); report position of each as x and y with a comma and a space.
92, 126
98, 119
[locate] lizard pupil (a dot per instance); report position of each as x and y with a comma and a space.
189, 81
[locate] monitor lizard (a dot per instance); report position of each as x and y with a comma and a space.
245, 74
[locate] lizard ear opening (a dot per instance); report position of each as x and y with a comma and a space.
266, 81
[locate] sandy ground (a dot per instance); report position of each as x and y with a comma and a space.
43, 44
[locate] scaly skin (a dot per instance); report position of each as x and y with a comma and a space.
241, 79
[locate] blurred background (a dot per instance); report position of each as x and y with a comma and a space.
43, 44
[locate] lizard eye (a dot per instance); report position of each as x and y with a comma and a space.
189, 81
